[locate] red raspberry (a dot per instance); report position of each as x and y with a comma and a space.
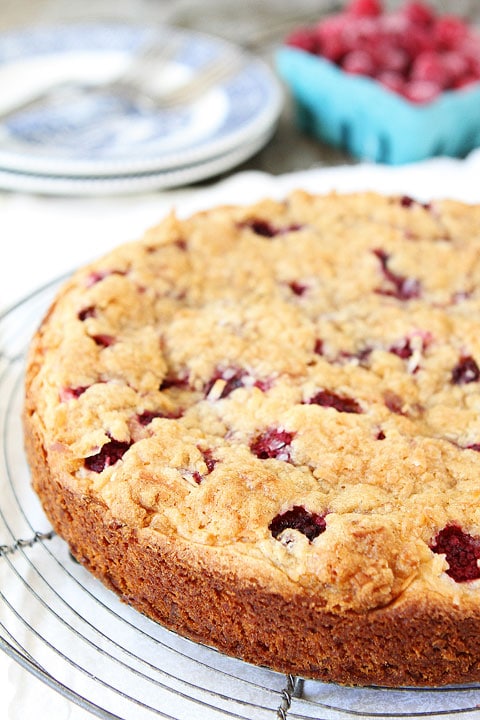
470, 50
299, 518
332, 48
173, 381
465, 81
98, 276
388, 57
359, 357
70, 393
360, 33
234, 378
456, 66
340, 403
413, 52
393, 402
449, 31
303, 38
87, 312
209, 460
419, 13
318, 347
146, 417
465, 371
362, 8
392, 80
402, 349
297, 288
266, 229
461, 550
103, 340
399, 286
358, 62
273, 443
421, 91
108, 455
330, 41
429, 67
393, 26
416, 40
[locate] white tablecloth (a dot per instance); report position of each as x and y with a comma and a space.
43, 237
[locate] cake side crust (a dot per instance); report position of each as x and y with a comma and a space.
415, 641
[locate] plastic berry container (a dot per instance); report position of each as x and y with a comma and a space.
372, 122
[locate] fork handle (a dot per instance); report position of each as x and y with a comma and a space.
36, 99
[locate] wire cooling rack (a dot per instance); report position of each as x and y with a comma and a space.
63, 626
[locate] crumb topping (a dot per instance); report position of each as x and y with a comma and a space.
296, 380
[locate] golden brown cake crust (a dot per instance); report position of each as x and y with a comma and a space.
258, 439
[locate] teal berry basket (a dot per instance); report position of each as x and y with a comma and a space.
373, 123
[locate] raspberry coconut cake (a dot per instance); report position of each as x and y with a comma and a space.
261, 427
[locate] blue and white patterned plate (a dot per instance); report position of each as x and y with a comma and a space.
98, 134
126, 184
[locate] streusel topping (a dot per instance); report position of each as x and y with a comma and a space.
296, 380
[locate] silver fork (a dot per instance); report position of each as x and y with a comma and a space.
152, 57
210, 75
136, 84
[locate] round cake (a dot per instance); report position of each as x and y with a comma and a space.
260, 426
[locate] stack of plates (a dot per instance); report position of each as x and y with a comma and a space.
96, 143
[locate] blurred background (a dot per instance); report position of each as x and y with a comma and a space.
258, 25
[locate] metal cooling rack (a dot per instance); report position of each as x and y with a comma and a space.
63, 626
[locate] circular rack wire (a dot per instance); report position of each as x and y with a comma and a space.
63, 626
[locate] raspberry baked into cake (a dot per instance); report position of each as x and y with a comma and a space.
261, 427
